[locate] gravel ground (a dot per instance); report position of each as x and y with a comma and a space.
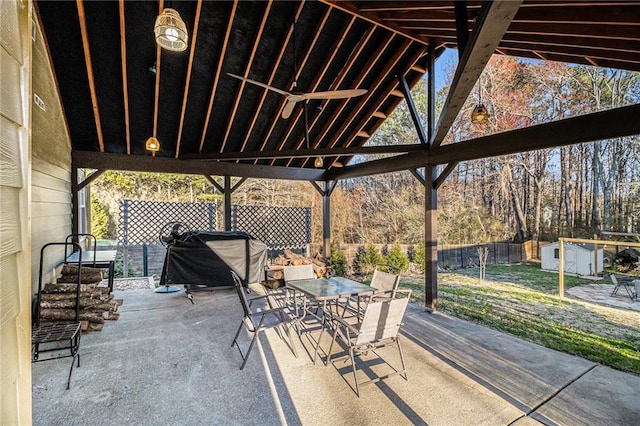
137, 283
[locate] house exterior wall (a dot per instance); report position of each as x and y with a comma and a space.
51, 166
577, 259
15, 187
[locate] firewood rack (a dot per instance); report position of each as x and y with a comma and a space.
64, 337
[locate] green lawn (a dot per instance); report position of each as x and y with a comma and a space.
523, 300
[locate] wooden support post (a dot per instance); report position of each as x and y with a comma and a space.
430, 240
561, 267
75, 222
326, 218
227, 203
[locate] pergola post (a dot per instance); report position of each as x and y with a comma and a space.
227, 203
431, 198
329, 186
430, 239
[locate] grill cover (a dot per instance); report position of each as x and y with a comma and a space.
204, 258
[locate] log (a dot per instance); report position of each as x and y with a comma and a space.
69, 315
112, 316
70, 296
111, 306
320, 263
119, 301
69, 303
291, 255
280, 260
67, 288
95, 326
85, 277
71, 269
276, 275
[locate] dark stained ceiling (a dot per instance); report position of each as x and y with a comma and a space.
118, 88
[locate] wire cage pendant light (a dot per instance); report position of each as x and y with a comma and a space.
171, 31
480, 113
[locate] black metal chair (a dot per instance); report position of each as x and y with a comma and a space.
623, 282
62, 337
259, 318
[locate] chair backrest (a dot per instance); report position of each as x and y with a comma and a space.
298, 272
614, 280
382, 320
242, 294
384, 281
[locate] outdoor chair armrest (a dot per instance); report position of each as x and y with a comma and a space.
346, 325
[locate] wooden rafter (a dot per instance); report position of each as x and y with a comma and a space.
340, 78
125, 91
185, 96
274, 71
282, 50
218, 71
351, 8
293, 119
367, 114
247, 68
156, 99
87, 61
371, 62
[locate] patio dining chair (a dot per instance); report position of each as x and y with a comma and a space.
623, 283
258, 317
379, 328
384, 282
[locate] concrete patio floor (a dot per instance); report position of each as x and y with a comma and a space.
167, 362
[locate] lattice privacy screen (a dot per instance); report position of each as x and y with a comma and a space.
277, 227
141, 221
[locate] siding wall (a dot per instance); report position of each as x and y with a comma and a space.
51, 167
15, 250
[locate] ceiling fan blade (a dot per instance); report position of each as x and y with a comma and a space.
288, 108
335, 94
257, 83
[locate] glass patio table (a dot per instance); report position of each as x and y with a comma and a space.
325, 291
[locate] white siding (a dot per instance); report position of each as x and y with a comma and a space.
15, 250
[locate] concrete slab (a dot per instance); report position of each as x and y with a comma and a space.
166, 361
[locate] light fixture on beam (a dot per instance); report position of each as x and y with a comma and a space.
480, 113
171, 31
152, 145
318, 162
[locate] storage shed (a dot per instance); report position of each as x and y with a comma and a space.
579, 259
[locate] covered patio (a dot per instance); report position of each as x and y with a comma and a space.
167, 361
86, 86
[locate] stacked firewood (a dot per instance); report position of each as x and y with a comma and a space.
275, 274
58, 300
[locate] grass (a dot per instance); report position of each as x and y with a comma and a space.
523, 300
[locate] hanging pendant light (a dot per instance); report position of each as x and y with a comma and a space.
480, 113
152, 145
318, 162
171, 31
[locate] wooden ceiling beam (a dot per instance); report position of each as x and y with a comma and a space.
343, 73
216, 79
362, 100
633, 57
274, 71
303, 153
585, 128
123, 60
357, 82
185, 96
87, 61
140, 163
293, 119
366, 116
352, 8
282, 101
383, 6
247, 69
609, 63
536, 40
491, 25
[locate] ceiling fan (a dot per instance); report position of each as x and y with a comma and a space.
294, 97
